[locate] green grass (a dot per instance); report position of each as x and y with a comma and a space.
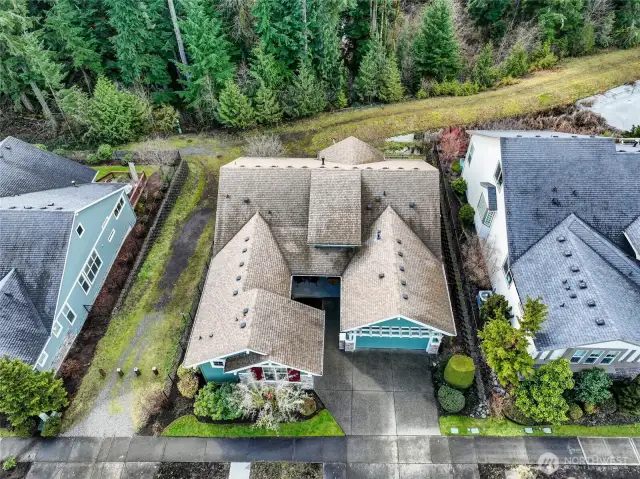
504, 427
323, 424
158, 345
103, 170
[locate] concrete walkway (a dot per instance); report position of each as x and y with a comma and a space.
357, 457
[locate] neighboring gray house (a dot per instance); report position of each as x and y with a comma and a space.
559, 215
59, 236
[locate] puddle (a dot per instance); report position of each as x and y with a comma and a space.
620, 106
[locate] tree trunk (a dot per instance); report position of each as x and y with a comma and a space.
45, 108
27, 103
176, 30
304, 21
86, 80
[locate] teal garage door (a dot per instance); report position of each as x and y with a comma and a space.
392, 343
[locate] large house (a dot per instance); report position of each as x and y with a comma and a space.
348, 235
59, 235
559, 215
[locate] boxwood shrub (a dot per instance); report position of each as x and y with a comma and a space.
460, 371
450, 399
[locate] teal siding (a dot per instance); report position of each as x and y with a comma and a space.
216, 375
94, 236
377, 342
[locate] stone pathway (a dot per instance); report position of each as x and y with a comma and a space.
402, 457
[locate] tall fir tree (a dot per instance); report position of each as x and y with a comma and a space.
265, 68
627, 23
324, 18
484, 73
436, 48
234, 109
368, 85
307, 95
210, 65
279, 24
392, 89
490, 15
267, 106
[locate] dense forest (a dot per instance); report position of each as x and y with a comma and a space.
109, 70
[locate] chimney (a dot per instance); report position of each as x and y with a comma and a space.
323, 161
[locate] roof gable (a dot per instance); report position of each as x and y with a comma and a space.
351, 151
25, 169
632, 233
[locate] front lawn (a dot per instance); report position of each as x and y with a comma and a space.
503, 427
323, 424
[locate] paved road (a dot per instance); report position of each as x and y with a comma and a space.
403, 457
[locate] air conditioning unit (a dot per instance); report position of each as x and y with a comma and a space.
350, 345
343, 338
483, 296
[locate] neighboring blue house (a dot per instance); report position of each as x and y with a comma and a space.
59, 236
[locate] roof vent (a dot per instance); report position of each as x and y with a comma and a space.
238, 278
8, 147
381, 275
245, 311
378, 234
537, 136
58, 207
401, 268
273, 166
574, 136
591, 303
235, 292
564, 281
562, 305
561, 239
600, 322
28, 207
243, 325
49, 204
43, 207
258, 166
400, 254
384, 193
403, 282
582, 285
400, 168
241, 264
73, 183
246, 200
405, 296
369, 206
385, 167
368, 167
575, 269
323, 161
573, 295
399, 241
339, 167
412, 204
244, 250
567, 287
289, 166
227, 196
305, 166
416, 168
246, 238
321, 166
519, 136
12, 207
353, 167
377, 199
567, 253
241, 166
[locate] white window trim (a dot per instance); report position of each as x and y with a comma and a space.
111, 234
82, 278
613, 359
87, 262
80, 225
223, 361
116, 211
470, 152
589, 355
274, 368
580, 358
42, 359
53, 328
66, 316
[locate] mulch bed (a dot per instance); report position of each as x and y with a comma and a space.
79, 358
193, 470
497, 471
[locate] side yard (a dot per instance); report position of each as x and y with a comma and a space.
146, 333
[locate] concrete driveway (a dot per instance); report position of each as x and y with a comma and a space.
375, 392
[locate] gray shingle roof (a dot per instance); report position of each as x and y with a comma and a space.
633, 236
554, 270
25, 338
334, 207
351, 151
367, 298
25, 168
250, 272
34, 243
546, 179
70, 198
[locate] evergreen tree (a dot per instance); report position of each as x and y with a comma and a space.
265, 68
484, 73
306, 95
534, 314
489, 14
341, 99
517, 63
392, 90
324, 18
627, 24
234, 108
267, 107
369, 81
436, 48
280, 27
210, 62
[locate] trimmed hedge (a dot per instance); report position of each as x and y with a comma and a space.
575, 412
450, 399
460, 371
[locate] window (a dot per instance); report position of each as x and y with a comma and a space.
609, 358
92, 267
68, 313
498, 176
486, 216
119, 206
113, 232
217, 364
80, 230
577, 355
42, 359
84, 284
506, 268
275, 374
56, 329
593, 356
470, 153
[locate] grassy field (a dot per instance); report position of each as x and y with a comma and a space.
504, 427
574, 79
323, 424
153, 329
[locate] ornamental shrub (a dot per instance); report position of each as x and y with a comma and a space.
104, 152
496, 303
592, 386
217, 402
459, 185
608, 406
590, 408
450, 399
628, 396
9, 464
52, 426
466, 214
575, 411
460, 371
182, 372
309, 406
188, 385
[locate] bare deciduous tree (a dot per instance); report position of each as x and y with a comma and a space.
264, 146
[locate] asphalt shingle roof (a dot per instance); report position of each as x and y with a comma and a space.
70, 198
546, 179
571, 266
351, 151
334, 207
25, 169
25, 338
633, 235
366, 297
